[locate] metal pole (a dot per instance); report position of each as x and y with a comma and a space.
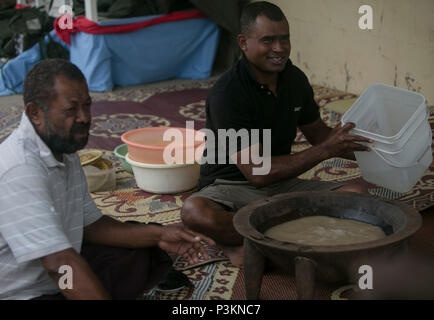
91, 9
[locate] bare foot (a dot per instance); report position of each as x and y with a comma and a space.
235, 255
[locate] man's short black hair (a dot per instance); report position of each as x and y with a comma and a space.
253, 10
39, 81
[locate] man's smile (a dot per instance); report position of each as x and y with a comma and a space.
277, 60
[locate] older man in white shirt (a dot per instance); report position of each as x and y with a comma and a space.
46, 211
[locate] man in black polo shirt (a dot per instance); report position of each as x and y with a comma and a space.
264, 90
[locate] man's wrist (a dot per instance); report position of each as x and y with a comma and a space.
321, 152
154, 232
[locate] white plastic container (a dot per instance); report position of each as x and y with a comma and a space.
165, 178
397, 121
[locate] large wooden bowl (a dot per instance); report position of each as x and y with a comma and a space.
325, 263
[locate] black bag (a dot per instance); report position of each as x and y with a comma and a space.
22, 29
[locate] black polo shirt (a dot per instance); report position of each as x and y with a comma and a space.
239, 101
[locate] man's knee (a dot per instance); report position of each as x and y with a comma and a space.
199, 211
354, 188
191, 211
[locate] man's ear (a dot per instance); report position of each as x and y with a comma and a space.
34, 113
242, 42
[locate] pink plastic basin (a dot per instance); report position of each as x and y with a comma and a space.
146, 145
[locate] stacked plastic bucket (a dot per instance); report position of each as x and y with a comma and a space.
397, 121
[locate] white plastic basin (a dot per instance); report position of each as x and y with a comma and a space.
164, 178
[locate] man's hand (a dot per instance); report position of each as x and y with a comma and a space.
340, 143
184, 242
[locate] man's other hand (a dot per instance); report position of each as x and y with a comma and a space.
340, 143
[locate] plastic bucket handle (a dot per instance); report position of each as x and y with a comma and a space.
400, 165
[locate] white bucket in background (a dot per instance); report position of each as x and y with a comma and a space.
397, 121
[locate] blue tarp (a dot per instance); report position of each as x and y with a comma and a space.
179, 49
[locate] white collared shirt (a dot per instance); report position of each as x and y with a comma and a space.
44, 206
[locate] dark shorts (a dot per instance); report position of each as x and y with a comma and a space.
237, 194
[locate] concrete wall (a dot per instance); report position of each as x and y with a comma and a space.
329, 46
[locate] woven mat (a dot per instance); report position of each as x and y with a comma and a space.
171, 105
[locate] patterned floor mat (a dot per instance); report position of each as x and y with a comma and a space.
119, 111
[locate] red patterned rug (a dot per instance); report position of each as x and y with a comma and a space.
172, 105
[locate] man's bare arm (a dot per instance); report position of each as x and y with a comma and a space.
85, 284
284, 167
110, 232
174, 239
316, 132
326, 144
